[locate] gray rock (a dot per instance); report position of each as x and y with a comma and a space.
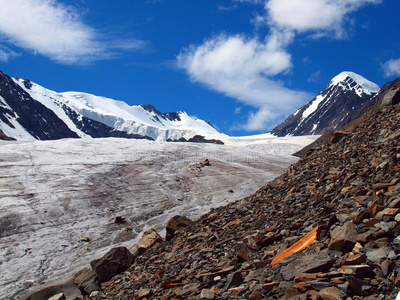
206, 294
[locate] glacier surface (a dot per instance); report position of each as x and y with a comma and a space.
53, 193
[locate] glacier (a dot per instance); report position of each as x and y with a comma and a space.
54, 193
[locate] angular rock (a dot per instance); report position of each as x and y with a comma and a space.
337, 136
176, 223
148, 239
355, 259
234, 280
391, 98
308, 263
256, 296
60, 296
206, 294
343, 238
375, 255
242, 255
269, 286
143, 293
290, 293
357, 270
87, 281
115, 261
330, 293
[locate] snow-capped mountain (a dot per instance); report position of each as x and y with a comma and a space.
344, 99
29, 111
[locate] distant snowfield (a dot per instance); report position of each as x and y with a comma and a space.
53, 193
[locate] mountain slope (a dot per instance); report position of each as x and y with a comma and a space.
347, 193
344, 99
84, 115
23, 118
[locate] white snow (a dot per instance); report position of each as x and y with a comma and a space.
364, 85
313, 106
55, 192
18, 132
120, 116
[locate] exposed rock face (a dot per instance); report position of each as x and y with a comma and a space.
29, 111
17, 106
343, 100
347, 189
114, 262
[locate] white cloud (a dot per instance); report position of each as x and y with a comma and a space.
392, 67
245, 68
55, 31
312, 15
6, 53
260, 120
240, 68
315, 77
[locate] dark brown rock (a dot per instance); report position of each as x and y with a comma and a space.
176, 223
290, 293
114, 262
87, 281
337, 136
234, 280
256, 296
242, 255
343, 238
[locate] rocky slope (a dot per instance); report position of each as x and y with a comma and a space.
344, 99
344, 195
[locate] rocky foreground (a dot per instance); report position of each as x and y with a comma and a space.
344, 196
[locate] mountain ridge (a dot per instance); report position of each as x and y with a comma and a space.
85, 115
345, 98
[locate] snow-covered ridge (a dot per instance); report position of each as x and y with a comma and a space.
344, 98
363, 85
137, 119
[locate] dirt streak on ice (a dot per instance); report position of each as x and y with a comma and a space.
54, 193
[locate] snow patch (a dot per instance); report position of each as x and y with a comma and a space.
365, 86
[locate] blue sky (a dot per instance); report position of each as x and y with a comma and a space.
242, 65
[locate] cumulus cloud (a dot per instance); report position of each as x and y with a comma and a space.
240, 68
246, 68
392, 67
323, 16
56, 31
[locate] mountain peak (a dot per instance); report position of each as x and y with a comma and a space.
351, 80
344, 98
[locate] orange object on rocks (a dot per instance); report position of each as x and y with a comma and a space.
300, 245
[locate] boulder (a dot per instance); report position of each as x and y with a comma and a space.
308, 263
116, 261
343, 238
87, 281
148, 239
391, 98
176, 223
